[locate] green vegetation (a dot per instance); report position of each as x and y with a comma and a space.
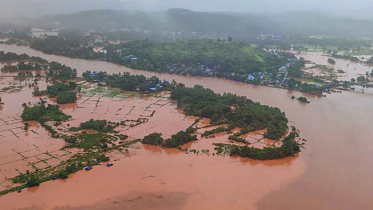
64, 169
97, 125
231, 60
37, 92
153, 139
22, 66
31, 179
90, 141
26, 126
61, 72
66, 46
181, 138
217, 130
43, 113
63, 174
53, 90
65, 92
9, 56
370, 61
346, 57
122, 137
361, 79
331, 61
66, 97
303, 99
127, 81
207, 57
237, 139
202, 102
289, 147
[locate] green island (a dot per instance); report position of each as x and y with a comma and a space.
303, 99
331, 61
97, 125
288, 148
246, 115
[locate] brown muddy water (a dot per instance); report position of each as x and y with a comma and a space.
333, 173
351, 69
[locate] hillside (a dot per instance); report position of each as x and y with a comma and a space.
215, 24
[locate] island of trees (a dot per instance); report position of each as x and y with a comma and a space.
331, 61
288, 148
303, 99
246, 114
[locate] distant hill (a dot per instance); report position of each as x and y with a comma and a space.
237, 25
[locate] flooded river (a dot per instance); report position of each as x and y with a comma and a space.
351, 69
333, 173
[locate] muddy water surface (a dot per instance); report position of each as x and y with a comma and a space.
351, 69
334, 172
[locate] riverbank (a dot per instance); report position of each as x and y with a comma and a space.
323, 177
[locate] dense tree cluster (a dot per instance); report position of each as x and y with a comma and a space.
182, 137
67, 46
66, 97
331, 61
206, 57
97, 125
24, 66
202, 102
127, 81
53, 90
289, 147
65, 92
43, 113
233, 60
303, 99
61, 72
217, 130
176, 140
9, 56
311, 88
346, 57
155, 139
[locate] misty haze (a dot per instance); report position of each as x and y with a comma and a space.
184, 105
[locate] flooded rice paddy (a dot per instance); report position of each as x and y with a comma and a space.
333, 172
350, 69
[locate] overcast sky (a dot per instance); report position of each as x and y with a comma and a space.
356, 8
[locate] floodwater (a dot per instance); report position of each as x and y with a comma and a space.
351, 69
333, 173
22, 150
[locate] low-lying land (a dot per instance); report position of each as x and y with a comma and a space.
107, 115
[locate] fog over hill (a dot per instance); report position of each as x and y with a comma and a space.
33, 8
214, 24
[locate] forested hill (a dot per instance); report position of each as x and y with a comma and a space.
218, 24
196, 57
